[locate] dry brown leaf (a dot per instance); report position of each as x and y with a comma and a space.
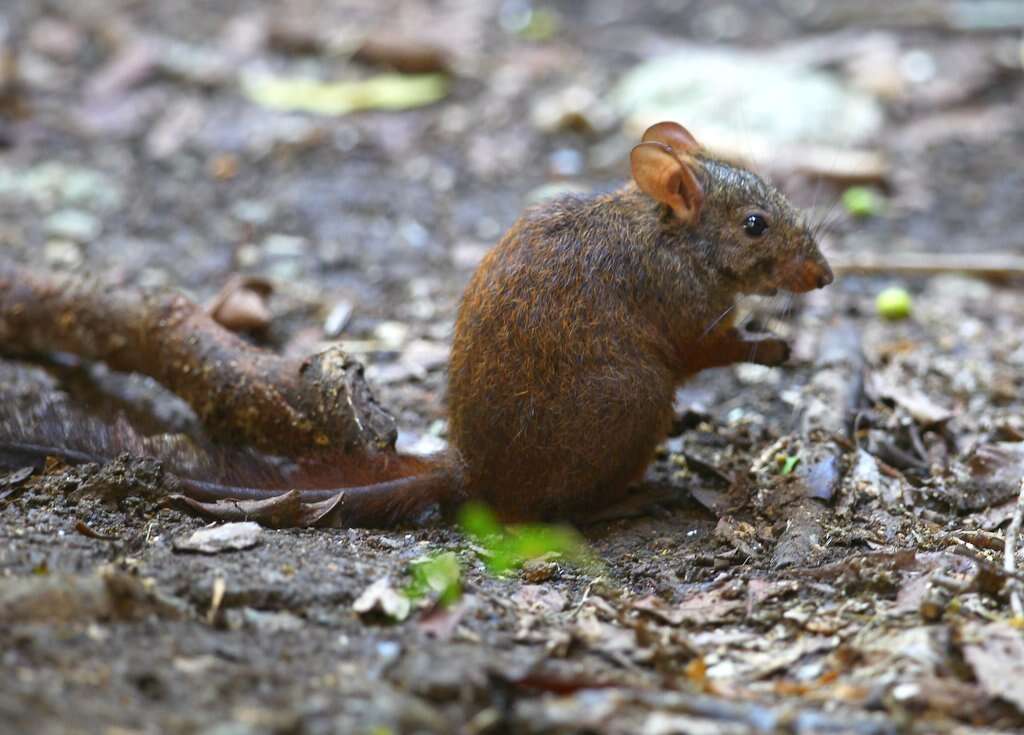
996, 654
284, 511
761, 590
441, 622
539, 598
892, 385
701, 608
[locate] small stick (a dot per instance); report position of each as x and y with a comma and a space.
241, 393
980, 265
1010, 554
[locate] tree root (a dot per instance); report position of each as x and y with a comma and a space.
241, 393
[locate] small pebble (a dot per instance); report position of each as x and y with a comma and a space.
62, 253
73, 224
536, 571
338, 318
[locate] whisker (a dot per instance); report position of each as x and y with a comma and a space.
817, 192
789, 308
716, 322
830, 217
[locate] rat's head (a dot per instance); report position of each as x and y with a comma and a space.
758, 241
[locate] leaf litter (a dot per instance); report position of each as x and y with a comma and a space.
829, 556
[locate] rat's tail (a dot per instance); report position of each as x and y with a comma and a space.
377, 490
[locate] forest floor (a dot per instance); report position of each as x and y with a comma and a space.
826, 552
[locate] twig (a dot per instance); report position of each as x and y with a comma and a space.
1010, 554
765, 718
982, 539
241, 393
980, 265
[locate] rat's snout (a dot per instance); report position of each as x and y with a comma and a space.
825, 276
803, 274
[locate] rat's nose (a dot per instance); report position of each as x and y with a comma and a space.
803, 274
825, 277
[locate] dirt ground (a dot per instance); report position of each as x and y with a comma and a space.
825, 554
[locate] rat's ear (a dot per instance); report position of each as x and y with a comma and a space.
670, 180
674, 135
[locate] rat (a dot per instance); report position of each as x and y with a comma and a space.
572, 336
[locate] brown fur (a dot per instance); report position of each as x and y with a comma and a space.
578, 326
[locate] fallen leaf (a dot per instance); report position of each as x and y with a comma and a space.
992, 517
996, 653
602, 636
823, 477
760, 591
539, 598
12, 481
438, 577
913, 595
381, 597
282, 511
989, 475
382, 92
708, 606
892, 385
657, 607
442, 620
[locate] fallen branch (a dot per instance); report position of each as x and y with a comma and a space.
830, 404
241, 393
980, 265
1010, 554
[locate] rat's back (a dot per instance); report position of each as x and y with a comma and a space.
553, 403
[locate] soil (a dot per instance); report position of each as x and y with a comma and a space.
817, 549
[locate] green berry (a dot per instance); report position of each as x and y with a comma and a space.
862, 201
893, 303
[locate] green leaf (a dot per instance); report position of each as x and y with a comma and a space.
506, 549
479, 521
438, 574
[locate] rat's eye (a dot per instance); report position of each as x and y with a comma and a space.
755, 225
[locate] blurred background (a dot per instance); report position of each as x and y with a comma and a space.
362, 156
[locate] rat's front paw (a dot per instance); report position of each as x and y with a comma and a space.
769, 351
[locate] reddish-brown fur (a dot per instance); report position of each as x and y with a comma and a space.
575, 331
